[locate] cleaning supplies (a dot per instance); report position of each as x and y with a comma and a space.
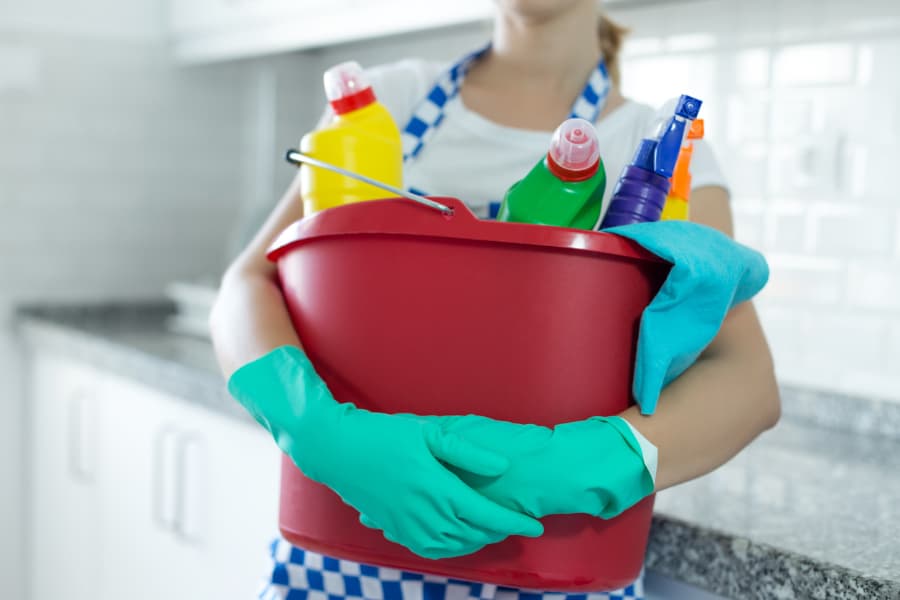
641, 192
677, 204
362, 137
566, 187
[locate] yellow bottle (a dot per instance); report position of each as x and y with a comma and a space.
677, 204
362, 137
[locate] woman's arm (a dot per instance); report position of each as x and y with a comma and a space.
727, 398
249, 317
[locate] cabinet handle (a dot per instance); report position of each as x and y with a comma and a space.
80, 440
192, 469
164, 503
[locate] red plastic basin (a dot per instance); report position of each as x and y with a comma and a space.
403, 309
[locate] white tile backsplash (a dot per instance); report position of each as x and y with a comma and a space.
787, 231
850, 230
20, 69
801, 284
809, 111
875, 285
120, 170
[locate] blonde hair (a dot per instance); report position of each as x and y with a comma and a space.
612, 36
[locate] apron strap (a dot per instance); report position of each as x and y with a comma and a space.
429, 114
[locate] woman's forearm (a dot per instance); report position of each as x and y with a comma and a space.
717, 407
249, 317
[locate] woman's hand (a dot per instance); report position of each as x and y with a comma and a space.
249, 317
595, 466
393, 469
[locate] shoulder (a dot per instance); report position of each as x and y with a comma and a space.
401, 85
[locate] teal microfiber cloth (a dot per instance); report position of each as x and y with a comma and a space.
711, 273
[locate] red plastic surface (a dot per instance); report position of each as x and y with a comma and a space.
402, 309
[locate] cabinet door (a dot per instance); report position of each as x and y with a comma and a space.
228, 483
137, 495
188, 497
64, 514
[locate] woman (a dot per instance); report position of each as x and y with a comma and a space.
501, 106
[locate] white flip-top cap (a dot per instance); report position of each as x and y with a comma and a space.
344, 80
575, 146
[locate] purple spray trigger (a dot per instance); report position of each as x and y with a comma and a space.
643, 158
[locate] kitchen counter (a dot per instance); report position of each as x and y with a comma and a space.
810, 510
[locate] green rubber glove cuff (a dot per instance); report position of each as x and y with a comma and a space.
600, 466
615, 474
283, 392
641, 479
649, 452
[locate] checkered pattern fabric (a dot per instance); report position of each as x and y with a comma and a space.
430, 112
299, 574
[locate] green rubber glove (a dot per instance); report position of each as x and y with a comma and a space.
600, 466
392, 468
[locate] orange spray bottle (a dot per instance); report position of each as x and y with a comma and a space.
677, 203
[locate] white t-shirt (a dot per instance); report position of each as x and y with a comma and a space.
476, 160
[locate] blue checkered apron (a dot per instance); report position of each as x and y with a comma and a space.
299, 574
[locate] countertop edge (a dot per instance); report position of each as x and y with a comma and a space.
737, 567
181, 382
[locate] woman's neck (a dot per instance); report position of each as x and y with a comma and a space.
536, 68
557, 52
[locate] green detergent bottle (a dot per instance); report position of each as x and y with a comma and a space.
566, 187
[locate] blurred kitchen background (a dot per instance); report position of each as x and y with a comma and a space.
141, 144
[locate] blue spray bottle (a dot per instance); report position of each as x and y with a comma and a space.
641, 191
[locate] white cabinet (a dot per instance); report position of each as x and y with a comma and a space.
64, 503
138, 494
204, 30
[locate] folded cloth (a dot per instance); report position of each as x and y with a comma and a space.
711, 273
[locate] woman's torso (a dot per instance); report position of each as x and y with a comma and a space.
477, 160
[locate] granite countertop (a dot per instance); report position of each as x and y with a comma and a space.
811, 509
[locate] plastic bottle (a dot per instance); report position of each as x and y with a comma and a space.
641, 192
677, 204
565, 188
362, 137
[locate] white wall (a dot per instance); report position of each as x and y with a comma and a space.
119, 172
803, 107
108, 179
95, 18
